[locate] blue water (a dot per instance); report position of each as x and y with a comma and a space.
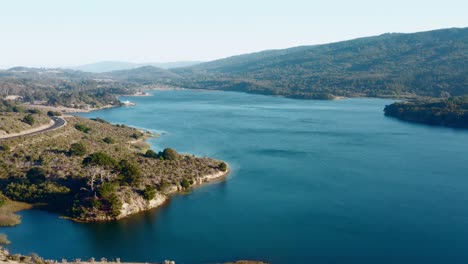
312, 182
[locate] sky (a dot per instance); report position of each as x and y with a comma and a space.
59, 33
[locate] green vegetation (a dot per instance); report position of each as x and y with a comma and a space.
185, 184
16, 121
390, 65
451, 112
77, 149
82, 128
53, 113
82, 176
100, 159
151, 154
169, 154
149, 193
108, 140
4, 148
3, 199
29, 119
222, 166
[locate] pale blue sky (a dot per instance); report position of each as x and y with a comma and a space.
52, 33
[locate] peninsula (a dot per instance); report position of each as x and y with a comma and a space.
91, 170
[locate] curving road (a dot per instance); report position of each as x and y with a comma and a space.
58, 122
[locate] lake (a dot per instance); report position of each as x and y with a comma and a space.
312, 182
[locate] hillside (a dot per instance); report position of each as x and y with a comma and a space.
142, 75
451, 112
396, 65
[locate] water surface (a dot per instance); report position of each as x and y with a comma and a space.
312, 182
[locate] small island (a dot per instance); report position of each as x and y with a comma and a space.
450, 112
91, 170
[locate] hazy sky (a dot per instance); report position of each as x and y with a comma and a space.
52, 33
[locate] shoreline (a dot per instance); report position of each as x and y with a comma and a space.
68, 110
141, 206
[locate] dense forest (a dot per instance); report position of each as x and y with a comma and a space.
390, 65
451, 112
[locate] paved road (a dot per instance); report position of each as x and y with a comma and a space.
58, 122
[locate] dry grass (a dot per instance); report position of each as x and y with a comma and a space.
4, 240
7, 213
10, 123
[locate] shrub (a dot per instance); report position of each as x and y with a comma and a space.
115, 205
149, 193
17, 109
222, 166
5, 148
100, 159
151, 154
36, 175
34, 111
109, 140
185, 184
100, 120
54, 113
29, 119
3, 199
130, 172
34, 193
136, 135
107, 189
77, 149
82, 128
169, 154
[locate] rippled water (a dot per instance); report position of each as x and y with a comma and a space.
312, 182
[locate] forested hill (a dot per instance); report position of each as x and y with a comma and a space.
432, 63
425, 63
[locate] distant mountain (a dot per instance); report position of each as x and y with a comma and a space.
425, 63
141, 75
108, 66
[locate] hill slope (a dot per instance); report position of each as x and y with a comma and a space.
425, 63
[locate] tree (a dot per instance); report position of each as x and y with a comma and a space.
222, 166
185, 184
29, 119
151, 154
169, 154
77, 149
130, 172
149, 193
100, 159
54, 113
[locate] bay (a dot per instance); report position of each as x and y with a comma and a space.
312, 182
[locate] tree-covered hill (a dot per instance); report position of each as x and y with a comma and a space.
425, 63
451, 112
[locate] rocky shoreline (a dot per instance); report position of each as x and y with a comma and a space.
134, 204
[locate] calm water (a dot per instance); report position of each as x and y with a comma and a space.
312, 182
